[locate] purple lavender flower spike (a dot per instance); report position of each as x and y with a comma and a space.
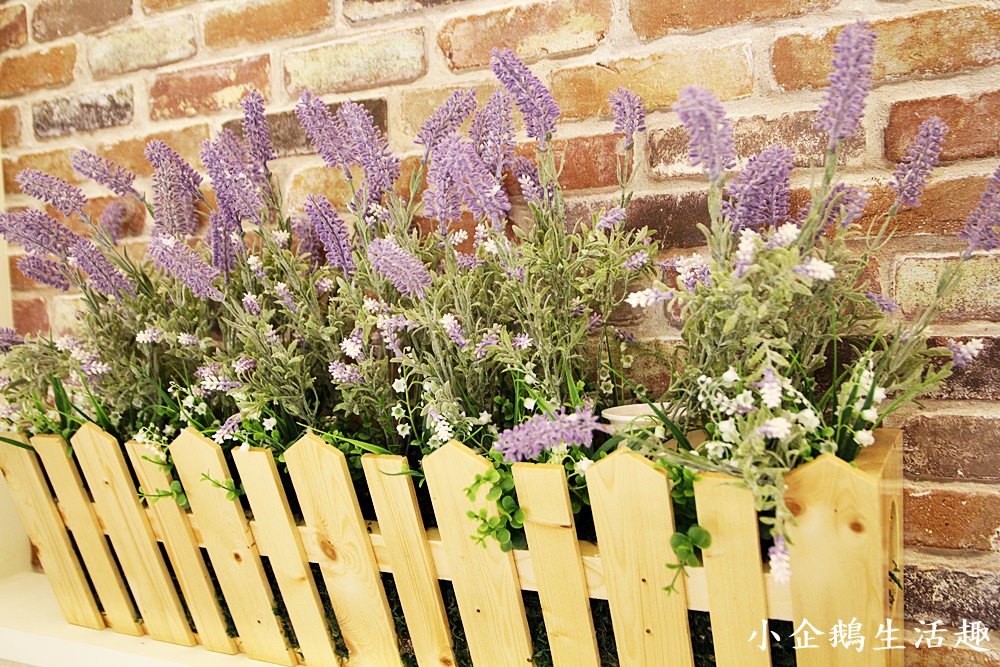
226, 240
236, 187
398, 266
442, 200
636, 261
332, 232
780, 560
911, 174
611, 218
457, 165
113, 219
453, 329
163, 157
526, 173
113, 176
527, 441
244, 365
370, 149
251, 304
537, 106
850, 82
177, 259
446, 119
490, 339
468, 261
9, 338
307, 241
285, 296
630, 117
980, 229
344, 374
228, 429
963, 354
102, 274
710, 134
324, 131
846, 203
883, 303
44, 271
256, 131
492, 131
67, 199
175, 186
37, 232
759, 196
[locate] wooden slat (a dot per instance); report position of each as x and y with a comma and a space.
840, 531
555, 553
279, 540
81, 518
409, 556
231, 548
634, 519
733, 570
485, 578
326, 495
46, 531
184, 554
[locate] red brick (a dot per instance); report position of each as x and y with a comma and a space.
532, 31
31, 316
379, 59
417, 104
13, 27
52, 19
18, 281
588, 162
153, 43
976, 296
668, 148
674, 217
977, 381
655, 18
944, 206
133, 225
56, 163
949, 655
10, 127
973, 125
582, 91
964, 588
262, 21
130, 152
48, 68
920, 45
208, 88
957, 443
364, 10
943, 517
85, 112
163, 5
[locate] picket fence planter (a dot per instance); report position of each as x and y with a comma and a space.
95, 536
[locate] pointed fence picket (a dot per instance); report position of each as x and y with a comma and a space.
101, 550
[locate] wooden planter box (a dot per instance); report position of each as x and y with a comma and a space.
98, 542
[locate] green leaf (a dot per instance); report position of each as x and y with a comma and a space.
700, 537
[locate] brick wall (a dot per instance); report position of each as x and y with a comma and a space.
111, 74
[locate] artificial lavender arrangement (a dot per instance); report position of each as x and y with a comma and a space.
787, 351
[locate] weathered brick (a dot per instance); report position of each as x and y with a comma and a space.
31, 316
417, 104
588, 162
263, 20
13, 27
532, 31
130, 152
208, 88
10, 127
318, 180
963, 446
48, 68
673, 216
154, 43
668, 147
288, 136
949, 655
945, 517
88, 111
975, 297
977, 381
365, 10
582, 91
973, 125
163, 5
56, 163
18, 281
950, 595
910, 46
52, 19
354, 64
133, 224
655, 18
944, 206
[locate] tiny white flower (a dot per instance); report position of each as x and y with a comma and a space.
784, 235
716, 449
807, 419
280, 237
878, 395
351, 346
870, 415
245, 447
731, 376
778, 428
529, 378
816, 269
403, 429
269, 423
485, 417
864, 438
648, 297
399, 385
727, 430
398, 412
529, 404
582, 466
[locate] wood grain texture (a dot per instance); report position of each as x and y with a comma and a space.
485, 578
555, 553
184, 554
323, 486
278, 539
46, 531
634, 519
231, 548
409, 558
733, 567
117, 503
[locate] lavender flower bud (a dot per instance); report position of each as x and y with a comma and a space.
37, 233
611, 218
244, 365
325, 134
962, 354
256, 131
332, 232
490, 339
236, 186
113, 176
67, 199
521, 341
457, 169
165, 158
344, 374
883, 303
636, 261
177, 259
8, 339
492, 131
228, 429
102, 274
526, 441
285, 296
403, 270
980, 229
113, 219
446, 119
760, 195
44, 271
453, 328
815, 269
537, 106
850, 82
226, 240
845, 204
911, 174
370, 149
175, 185
307, 241
251, 304
630, 117
710, 134
780, 561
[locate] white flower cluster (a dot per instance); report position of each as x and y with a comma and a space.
648, 297
859, 398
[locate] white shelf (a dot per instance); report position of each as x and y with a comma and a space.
33, 632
